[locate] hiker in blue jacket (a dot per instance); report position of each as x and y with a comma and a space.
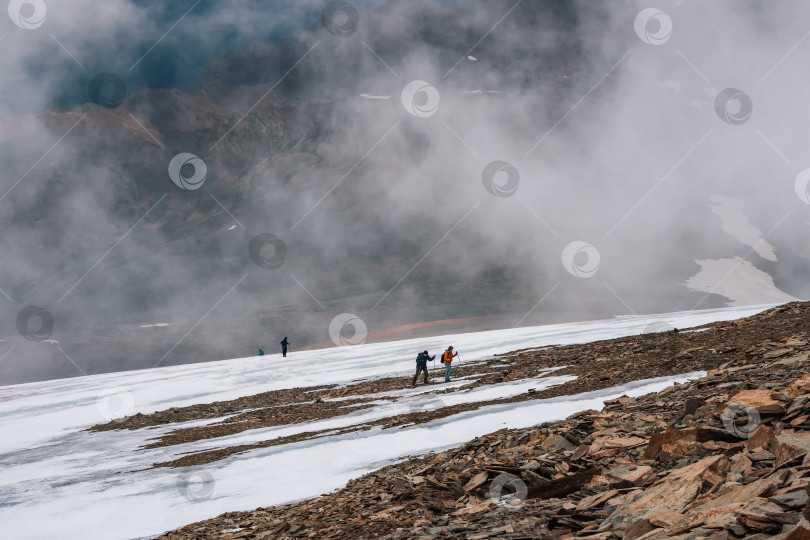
421, 365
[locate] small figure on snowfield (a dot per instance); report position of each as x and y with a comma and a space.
447, 358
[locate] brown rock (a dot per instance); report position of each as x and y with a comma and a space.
759, 488
693, 404
761, 400
657, 440
655, 534
800, 440
799, 533
708, 433
740, 464
614, 502
596, 500
556, 442
789, 455
726, 448
606, 446
581, 450
672, 493
763, 438
565, 485
629, 473
476, 481
799, 387
600, 536
475, 509
665, 519
761, 455
637, 529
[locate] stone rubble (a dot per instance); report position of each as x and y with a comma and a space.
723, 457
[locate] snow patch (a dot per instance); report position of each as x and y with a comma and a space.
734, 221
739, 281
99, 489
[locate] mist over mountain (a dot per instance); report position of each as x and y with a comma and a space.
496, 162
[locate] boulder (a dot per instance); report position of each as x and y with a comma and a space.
673, 493
761, 400
629, 473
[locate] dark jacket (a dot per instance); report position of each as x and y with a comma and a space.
422, 359
284, 343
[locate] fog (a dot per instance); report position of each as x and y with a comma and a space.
496, 162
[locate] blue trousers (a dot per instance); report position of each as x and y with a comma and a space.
448, 371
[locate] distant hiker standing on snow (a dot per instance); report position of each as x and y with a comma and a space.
284, 344
447, 358
421, 365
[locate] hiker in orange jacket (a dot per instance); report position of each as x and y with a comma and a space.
447, 359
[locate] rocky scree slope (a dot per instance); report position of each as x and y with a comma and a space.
725, 456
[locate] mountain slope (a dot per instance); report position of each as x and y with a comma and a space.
724, 455
220, 415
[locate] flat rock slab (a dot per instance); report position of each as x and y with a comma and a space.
596, 500
760, 400
793, 499
629, 473
673, 493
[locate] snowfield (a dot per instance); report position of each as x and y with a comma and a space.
59, 481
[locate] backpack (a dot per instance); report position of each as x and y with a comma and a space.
261, 352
